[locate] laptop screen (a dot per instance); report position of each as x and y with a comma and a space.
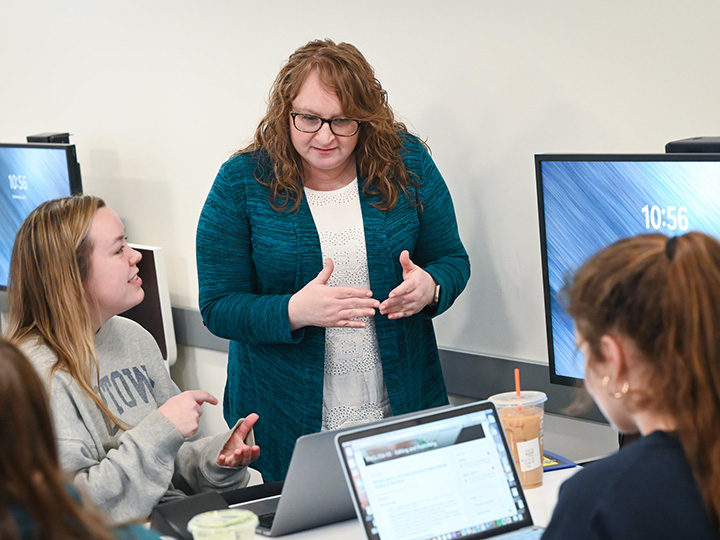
440, 475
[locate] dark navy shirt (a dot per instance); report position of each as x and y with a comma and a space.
646, 490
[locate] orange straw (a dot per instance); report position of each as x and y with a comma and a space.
517, 382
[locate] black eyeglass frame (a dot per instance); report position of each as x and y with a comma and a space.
323, 121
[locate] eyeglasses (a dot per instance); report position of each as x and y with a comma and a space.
308, 123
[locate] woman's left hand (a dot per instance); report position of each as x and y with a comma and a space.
413, 294
236, 453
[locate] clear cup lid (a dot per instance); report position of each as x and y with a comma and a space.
217, 520
510, 399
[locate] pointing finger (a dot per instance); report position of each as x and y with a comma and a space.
201, 396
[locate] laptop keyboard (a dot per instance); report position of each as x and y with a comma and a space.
532, 533
265, 522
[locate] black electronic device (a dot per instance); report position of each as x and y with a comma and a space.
49, 137
693, 145
171, 518
31, 173
154, 313
587, 202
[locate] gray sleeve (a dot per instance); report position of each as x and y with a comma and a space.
128, 480
197, 463
125, 476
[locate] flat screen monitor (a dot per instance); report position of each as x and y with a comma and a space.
31, 173
587, 202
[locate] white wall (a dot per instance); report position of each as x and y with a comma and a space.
202, 368
157, 94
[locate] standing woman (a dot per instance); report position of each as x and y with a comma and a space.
324, 249
646, 311
121, 423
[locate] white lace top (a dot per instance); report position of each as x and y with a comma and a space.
354, 388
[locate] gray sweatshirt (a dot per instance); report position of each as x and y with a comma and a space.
127, 473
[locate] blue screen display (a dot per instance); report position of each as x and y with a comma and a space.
589, 202
29, 175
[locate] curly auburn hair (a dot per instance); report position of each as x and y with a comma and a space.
344, 70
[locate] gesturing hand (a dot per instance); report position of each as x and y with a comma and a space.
318, 304
236, 453
414, 293
184, 410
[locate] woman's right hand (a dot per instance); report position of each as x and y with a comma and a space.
318, 304
184, 410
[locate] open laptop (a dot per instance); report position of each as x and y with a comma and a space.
314, 492
444, 475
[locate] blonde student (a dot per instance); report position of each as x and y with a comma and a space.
123, 427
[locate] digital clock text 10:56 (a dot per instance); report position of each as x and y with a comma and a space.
671, 217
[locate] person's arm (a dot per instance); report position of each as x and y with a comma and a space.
438, 257
229, 302
439, 249
125, 477
130, 479
197, 461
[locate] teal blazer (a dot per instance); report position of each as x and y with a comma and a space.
251, 259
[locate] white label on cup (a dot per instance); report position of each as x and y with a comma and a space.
529, 455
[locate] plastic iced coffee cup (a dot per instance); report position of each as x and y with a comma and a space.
230, 524
522, 421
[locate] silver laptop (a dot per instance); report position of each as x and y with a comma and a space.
441, 475
314, 492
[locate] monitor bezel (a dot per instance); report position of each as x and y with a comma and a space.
73, 166
555, 378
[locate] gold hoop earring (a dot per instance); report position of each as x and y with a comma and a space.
617, 395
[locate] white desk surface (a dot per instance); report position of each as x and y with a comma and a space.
541, 501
